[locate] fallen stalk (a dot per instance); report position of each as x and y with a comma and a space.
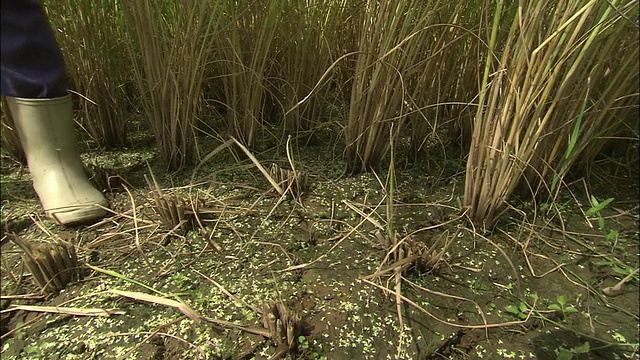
617, 289
426, 312
64, 310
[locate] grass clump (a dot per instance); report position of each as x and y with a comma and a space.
538, 108
390, 42
534, 89
243, 53
170, 51
9, 135
309, 40
53, 264
93, 39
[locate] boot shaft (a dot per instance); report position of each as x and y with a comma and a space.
45, 128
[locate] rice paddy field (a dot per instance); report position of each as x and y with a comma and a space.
337, 180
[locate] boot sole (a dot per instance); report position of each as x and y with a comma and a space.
77, 214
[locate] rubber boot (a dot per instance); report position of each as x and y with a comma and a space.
47, 133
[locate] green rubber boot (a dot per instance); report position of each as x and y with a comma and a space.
46, 131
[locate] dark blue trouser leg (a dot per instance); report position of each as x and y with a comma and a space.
31, 63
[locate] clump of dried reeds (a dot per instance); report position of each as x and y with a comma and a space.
171, 49
103, 179
9, 135
53, 264
284, 325
394, 38
93, 40
445, 85
309, 39
548, 90
291, 181
177, 212
243, 52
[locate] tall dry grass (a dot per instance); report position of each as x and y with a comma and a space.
9, 139
170, 52
394, 37
547, 83
444, 92
310, 38
546, 94
93, 40
244, 50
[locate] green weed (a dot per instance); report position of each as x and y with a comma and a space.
568, 354
612, 237
617, 266
562, 307
596, 208
519, 310
522, 309
305, 345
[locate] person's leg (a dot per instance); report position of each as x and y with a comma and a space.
33, 80
31, 62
